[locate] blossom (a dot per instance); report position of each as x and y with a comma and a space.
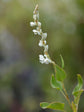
35, 32
39, 24
44, 59
42, 43
41, 58
34, 17
47, 59
45, 48
37, 15
44, 36
39, 31
32, 24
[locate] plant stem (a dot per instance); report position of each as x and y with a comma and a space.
54, 64
66, 96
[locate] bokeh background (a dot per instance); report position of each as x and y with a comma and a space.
24, 82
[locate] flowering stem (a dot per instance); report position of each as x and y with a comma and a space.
45, 59
38, 31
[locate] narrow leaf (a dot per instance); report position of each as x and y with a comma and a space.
54, 106
78, 90
44, 105
77, 96
55, 83
77, 93
79, 86
60, 73
62, 60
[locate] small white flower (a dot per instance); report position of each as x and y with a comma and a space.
44, 36
40, 31
47, 60
41, 58
45, 48
39, 24
42, 43
37, 15
45, 56
44, 59
35, 32
34, 17
32, 24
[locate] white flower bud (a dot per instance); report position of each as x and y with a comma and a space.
41, 58
47, 60
42, 43
40, 31
34, 17
45, 56
32, 24
35, 32
44, 36
37, 15
39, 24
44, 59
45, 48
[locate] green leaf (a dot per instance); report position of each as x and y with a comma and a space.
56, 84
54, 106
60, 73
44, 105
79, 86
77, 96
62, 60
77, 93
78, 90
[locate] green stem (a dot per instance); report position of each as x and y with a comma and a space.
54, 64
66, 96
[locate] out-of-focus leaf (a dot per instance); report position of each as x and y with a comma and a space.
62, 60
78, 93
78, 90
54, 106
77, 97
60, 73
79, 86
55, 83
44, 105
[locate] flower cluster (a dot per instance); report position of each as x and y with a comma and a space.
38, 31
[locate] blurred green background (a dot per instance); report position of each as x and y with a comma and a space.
24, 82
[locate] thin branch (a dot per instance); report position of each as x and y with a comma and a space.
66, 96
